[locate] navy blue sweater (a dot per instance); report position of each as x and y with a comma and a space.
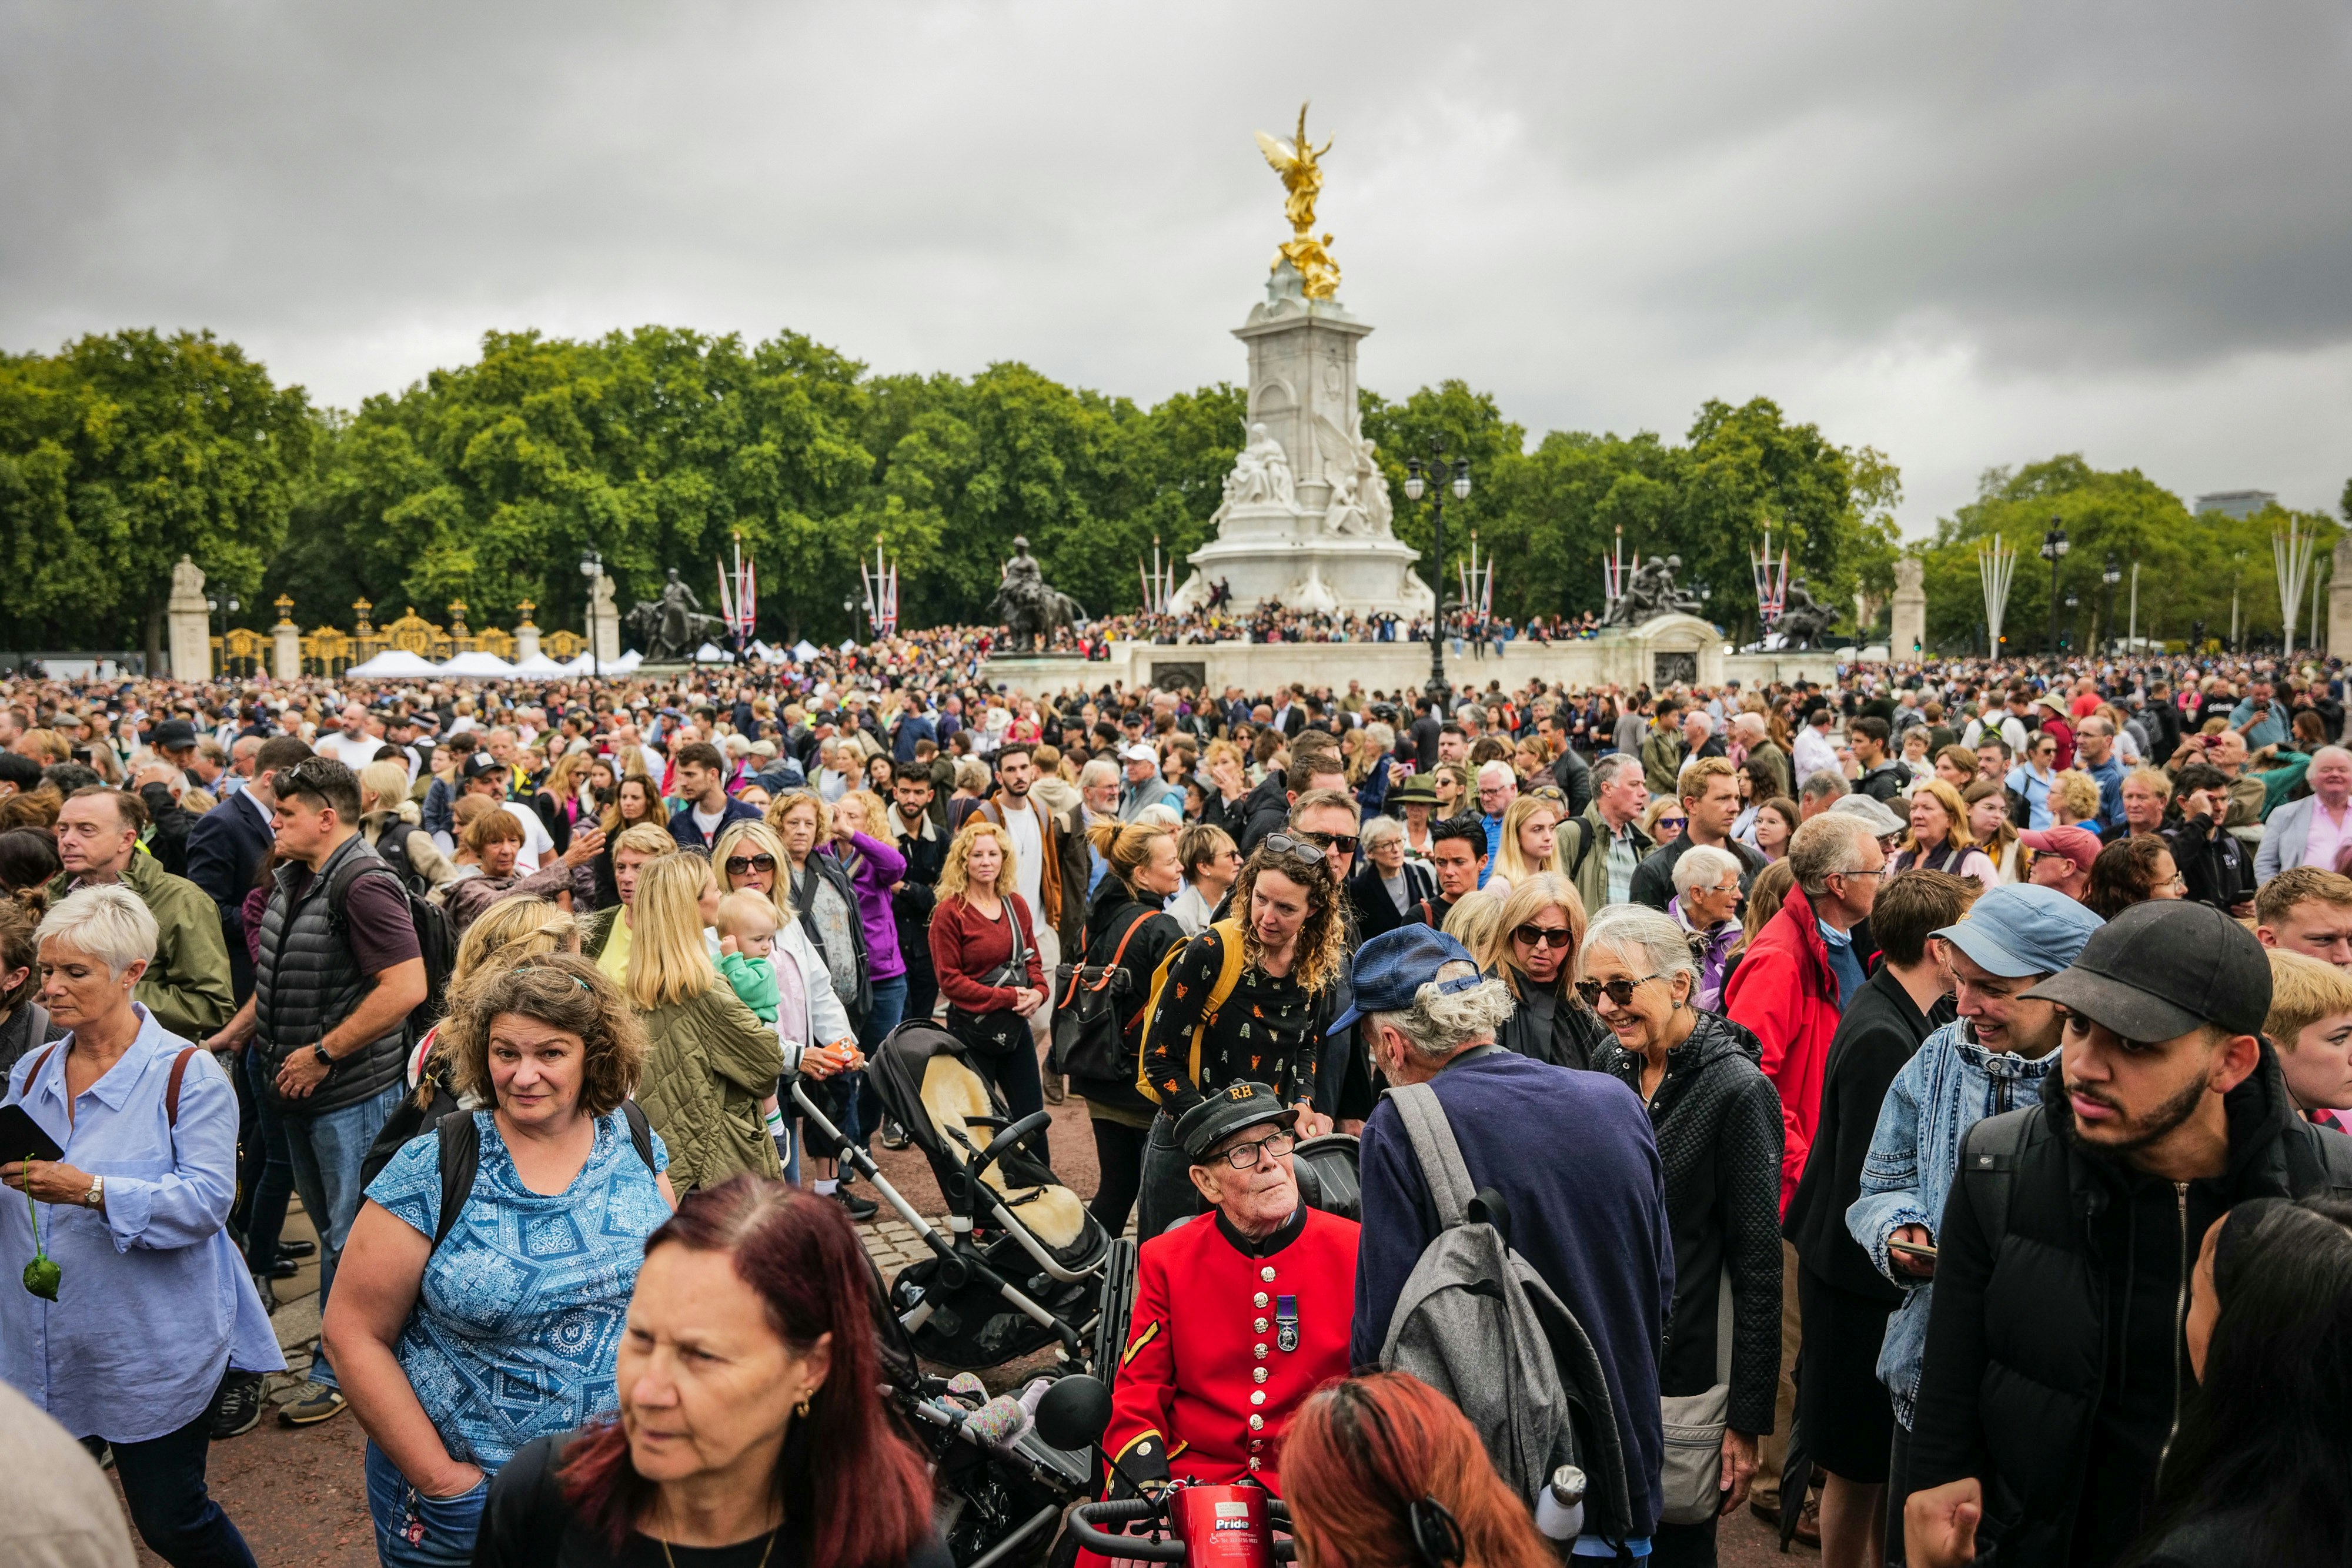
1574, 1158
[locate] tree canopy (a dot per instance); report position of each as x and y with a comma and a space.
485, 482
2188, 563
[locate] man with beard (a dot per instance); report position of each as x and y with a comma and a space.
2055, 1368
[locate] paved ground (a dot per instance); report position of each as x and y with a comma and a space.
301, 1499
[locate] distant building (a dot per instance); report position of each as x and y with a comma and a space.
2237, 504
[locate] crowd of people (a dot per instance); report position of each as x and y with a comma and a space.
1923, 1091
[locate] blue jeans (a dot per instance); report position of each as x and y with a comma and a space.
888, 1009
412, 1530
327, 1151
164, 1483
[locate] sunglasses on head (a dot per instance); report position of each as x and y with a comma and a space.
739, 866
1303, 847
1619, 992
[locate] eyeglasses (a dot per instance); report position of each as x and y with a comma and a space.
1345, 843
1882, 870
1245, 1156
740, 865
1304, 847
1619, 991
1532, 936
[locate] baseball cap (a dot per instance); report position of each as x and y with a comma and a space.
2021, 928
2077, 844
1139, 752
1394, 965
478, 763
2160, 969
1873, 811
1227, 1111
173, 735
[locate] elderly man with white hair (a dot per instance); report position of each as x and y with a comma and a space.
1497, 787
1569, 1153
145, 1309
2315, 829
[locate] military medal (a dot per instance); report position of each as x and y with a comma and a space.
1286, 1317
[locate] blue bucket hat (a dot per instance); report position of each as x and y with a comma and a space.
1394, 965
2020, 928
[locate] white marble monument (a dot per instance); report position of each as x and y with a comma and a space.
1908, 636
188, 618
1306, 518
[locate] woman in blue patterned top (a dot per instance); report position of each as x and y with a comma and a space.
461, 1351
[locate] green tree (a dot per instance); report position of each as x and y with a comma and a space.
121, 454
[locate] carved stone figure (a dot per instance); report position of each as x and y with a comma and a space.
1910, 571
187, 579
1804, 622
1032, 610
1372, 493
1261, 472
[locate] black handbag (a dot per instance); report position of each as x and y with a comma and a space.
1088, 1039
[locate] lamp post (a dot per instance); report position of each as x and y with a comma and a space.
2054, 550
849, 603
592, 567
215, 607
2237, 571
2072, 601
2110, 574
1434, 482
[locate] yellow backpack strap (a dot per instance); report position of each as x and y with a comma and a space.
1229, 975
1150, 1012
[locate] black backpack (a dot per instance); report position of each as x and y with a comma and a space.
436, 939
408, 1119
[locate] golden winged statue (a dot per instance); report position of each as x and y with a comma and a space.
1299, 165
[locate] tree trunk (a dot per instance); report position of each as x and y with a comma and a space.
155, 642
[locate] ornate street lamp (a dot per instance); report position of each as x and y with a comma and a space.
1433, 481
2054, 550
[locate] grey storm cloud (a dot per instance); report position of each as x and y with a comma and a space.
1966, 234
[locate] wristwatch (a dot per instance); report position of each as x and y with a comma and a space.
96, 1197
324, 1060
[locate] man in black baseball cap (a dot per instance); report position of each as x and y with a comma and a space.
2054, 1369
1267, 1286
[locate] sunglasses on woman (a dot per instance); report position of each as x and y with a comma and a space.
1543, 937
1621, 992
743, 865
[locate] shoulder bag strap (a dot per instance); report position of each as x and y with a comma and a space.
43, 1062
1723, 1327
1988, 1162
1433, 1148
1110, 968
172, 1087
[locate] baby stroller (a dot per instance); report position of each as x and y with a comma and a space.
1021, 1263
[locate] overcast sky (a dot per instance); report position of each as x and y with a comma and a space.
1966, 234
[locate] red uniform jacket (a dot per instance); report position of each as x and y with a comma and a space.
1785, 992
1206, 1386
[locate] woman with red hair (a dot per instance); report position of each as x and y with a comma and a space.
749, 1432
1384, 1468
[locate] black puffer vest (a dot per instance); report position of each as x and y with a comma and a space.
306, 981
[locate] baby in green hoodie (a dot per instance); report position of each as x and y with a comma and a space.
747, 926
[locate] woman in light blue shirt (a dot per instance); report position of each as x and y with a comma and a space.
154, 1305
460, 1337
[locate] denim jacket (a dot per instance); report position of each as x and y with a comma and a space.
1949, 1087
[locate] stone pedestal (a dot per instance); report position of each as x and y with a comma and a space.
526, 643
1907, 640
603, 623
2339, 604
285, 650
1306, 517
189, 623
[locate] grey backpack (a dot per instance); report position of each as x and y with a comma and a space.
1477, 1323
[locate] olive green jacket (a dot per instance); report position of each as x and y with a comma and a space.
186, 986
709, 1064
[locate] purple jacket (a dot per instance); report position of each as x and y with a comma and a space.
878, 866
